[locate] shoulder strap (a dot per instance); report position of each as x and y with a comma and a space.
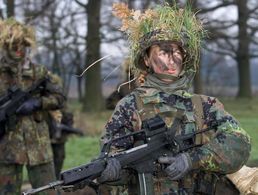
198, 114
139, 103
145, 111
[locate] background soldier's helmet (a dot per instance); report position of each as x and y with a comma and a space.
14, 33
164, 23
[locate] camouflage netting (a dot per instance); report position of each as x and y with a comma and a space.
13, 33
164, 23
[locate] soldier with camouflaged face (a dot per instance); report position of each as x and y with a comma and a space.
25, 139
165, 42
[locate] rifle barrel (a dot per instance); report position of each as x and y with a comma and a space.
69, 129
51, 185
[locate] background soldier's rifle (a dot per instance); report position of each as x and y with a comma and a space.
157, 140
14, 98
67, 129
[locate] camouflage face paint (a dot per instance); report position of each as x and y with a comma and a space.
165, 59
156, 61
17, 52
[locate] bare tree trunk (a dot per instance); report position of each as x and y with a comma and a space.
93, 99
10, 8
79, 87
242, 57
198, 88
54, 31
79, 79
1, 14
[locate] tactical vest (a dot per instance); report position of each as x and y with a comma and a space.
192, 122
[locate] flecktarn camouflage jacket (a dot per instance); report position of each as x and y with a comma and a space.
224, 149
27, 140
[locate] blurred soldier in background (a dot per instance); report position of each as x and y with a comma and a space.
24, 130
60, 127
60, 124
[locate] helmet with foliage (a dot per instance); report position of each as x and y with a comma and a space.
14, 33
164, 23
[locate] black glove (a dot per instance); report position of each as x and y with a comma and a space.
179, 165
30, 106
111, 172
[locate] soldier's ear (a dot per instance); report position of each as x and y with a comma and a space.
146, 60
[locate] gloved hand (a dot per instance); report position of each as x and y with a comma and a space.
31, 105
111, 172
178, 165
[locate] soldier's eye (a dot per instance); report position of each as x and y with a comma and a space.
177, 53
162, 52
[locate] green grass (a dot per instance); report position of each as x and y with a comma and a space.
80, 150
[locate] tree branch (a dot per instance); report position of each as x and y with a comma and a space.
224, 4
251, 11
33, 14
220, 50
81, 4
253, 55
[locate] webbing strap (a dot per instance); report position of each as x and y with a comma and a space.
145, 111
139, 103
198, 114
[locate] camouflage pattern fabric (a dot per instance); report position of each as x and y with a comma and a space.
11, 177
225, 149
26, 140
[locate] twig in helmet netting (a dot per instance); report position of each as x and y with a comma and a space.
128, 82
93, 65
111, 72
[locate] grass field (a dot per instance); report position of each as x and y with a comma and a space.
81, 150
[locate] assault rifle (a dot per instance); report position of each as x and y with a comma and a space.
156, 140
62, 128
14, 98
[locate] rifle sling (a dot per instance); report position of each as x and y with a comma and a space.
199, 117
